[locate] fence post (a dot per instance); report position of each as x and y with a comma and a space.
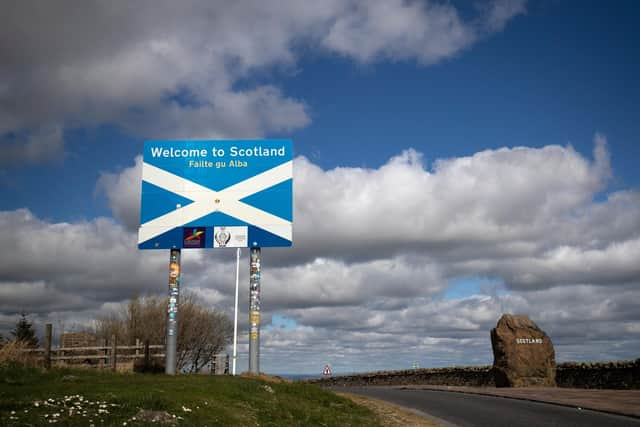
105, 352
113, 352
226, 365
214, 360
147, 356
47, 346
137, 348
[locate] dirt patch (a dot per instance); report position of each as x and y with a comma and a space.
389, 415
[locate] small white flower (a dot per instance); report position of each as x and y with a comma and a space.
124, 423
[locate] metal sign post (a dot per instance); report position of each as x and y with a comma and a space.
254, 311
235, 320
172, 311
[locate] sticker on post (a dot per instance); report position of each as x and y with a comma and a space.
230, 237
254, 317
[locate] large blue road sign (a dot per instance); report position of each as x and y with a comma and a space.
210, 194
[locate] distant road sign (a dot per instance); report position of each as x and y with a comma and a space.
206, 194
326, 370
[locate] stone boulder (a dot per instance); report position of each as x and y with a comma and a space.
523, 354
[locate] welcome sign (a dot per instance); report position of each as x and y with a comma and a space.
214, 193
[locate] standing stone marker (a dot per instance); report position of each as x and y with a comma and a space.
523, 354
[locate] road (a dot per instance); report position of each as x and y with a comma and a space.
464, 410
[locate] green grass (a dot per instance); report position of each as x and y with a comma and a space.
30, 397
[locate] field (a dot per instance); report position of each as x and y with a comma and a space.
32, 397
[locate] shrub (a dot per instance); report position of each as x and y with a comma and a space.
16, 352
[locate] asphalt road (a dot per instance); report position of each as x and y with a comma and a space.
463, 410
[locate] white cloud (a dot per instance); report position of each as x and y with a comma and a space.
375, 251
499, 12
525, 215
159, 70
123, 192
399, 30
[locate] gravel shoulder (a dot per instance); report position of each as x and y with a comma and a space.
391, 415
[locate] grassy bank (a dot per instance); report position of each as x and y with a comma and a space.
84, 398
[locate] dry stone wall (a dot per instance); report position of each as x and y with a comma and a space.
603, 375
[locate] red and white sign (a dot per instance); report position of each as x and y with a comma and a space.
326, 370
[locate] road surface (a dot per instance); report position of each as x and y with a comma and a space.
464, 410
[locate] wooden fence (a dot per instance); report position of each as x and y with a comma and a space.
109, 355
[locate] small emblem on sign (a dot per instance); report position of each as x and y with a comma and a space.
222, 237
194, 237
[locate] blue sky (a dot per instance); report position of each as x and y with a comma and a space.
376, 96
555, 76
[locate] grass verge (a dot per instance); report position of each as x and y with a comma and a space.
33, 397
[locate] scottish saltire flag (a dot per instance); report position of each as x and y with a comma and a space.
215, 194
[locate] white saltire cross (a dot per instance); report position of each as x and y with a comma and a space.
207, 201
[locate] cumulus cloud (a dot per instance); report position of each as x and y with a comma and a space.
399, 29
123, 192
375, 251
523, 214
159, 70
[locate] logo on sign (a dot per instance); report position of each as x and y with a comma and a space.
222, 237
194, 237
